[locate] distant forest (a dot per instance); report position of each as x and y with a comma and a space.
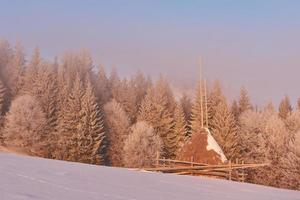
70, 109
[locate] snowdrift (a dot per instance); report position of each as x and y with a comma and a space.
30, 178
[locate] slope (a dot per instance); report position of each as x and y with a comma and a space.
30, 178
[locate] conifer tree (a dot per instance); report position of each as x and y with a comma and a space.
198, 111
102, 87
298, 104
285, 108
16, 71
117, 124
235, 109
2, 97
70, 121
224, 130
31, 71
186, 104
91, 129
244, 101
141, 86
180, 127
154, 110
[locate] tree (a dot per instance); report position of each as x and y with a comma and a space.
155, 110
92, 135
141, 86
235, 109
70, 122
186, 104
24, 126
142, 146
244, 101
31, 71
16, 70
197, 113
2, 105
117, 124
180, 127
102, 86
292, 124
224, 130
253, 143
285, 108
298, 104
2, 97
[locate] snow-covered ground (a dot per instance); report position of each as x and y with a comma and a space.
32, 178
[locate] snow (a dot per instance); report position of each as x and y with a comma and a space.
213, 145
30, 178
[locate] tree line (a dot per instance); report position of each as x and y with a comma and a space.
70, 109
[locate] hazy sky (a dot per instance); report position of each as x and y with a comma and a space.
251, 43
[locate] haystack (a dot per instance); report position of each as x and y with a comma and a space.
203, 148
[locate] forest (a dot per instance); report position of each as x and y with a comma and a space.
71, 109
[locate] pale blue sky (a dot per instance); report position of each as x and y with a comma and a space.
255, 43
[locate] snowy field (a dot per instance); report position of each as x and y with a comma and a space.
31, 178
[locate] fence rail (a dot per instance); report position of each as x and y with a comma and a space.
231, 171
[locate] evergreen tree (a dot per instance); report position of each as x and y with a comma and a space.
117, 124
224, 130
31, 71
197, 116
141, 86
16, 71
180, 127
235, 109
285, 108
298, 104
2, 97
70, 122
92, 136
186, 104
244, 101
102, 87
154, 110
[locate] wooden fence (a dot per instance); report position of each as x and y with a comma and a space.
231, 171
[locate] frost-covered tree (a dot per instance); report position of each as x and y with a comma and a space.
91, 130
180, 127
186, 104
155, 110
197, 112
235, 110
70, 122
142, 146
102, 86
117, 124
31, 71
285, 108
141, 85
24, 127
215, 97
2, 97
224, 130
244, 101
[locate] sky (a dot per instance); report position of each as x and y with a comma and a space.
251, 43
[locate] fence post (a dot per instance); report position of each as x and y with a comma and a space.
192, 160
229, 169
157, 159
243, 173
